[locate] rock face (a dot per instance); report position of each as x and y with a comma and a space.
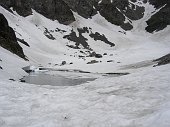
120, 12
117, 12
8, 39
53, 9
161, 19
22, 7
85, 8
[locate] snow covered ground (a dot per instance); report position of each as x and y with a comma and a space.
140, 99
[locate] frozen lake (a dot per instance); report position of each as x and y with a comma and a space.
42, 78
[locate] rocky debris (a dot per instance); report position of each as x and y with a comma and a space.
23, 42
63, 63
73, 47
12, 79
93, 62
28, 69
8, 38
77, 39
98, 56
22, 80
94, 54
118, 74
97, 36
161, 19
60, 30
48, 34
80, 56
123, 32
110, 61
83, 30
0, 66
53, 9
80, 39
163, 60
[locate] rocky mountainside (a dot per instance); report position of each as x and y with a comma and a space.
118, 12
161, 19
53, 9
8, 38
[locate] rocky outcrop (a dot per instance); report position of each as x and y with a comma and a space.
22, 7
8, 39
161, 19
117, 12
163, 60
79, 40
85, 8
121, 12
158, 3
97, 36
53, 9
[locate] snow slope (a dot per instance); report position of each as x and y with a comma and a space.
141, 99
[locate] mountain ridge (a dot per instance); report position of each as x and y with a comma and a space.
117, 12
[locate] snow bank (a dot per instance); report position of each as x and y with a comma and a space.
141, 100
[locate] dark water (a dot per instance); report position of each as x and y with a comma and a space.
54, 80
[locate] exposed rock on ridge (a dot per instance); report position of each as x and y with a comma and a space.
53, 9
161, 19
8, 39
117, 12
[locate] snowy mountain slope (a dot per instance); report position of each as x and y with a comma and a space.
139, 99
50, 52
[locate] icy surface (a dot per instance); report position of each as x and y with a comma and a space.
137, 100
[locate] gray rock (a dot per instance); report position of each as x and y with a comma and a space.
63, 63
163, 60
8, 38
92, 62
116, 11
53, 9
82, 7
161, 19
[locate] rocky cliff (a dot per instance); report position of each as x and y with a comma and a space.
117, 12
161, 19
8, 39
53, 9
